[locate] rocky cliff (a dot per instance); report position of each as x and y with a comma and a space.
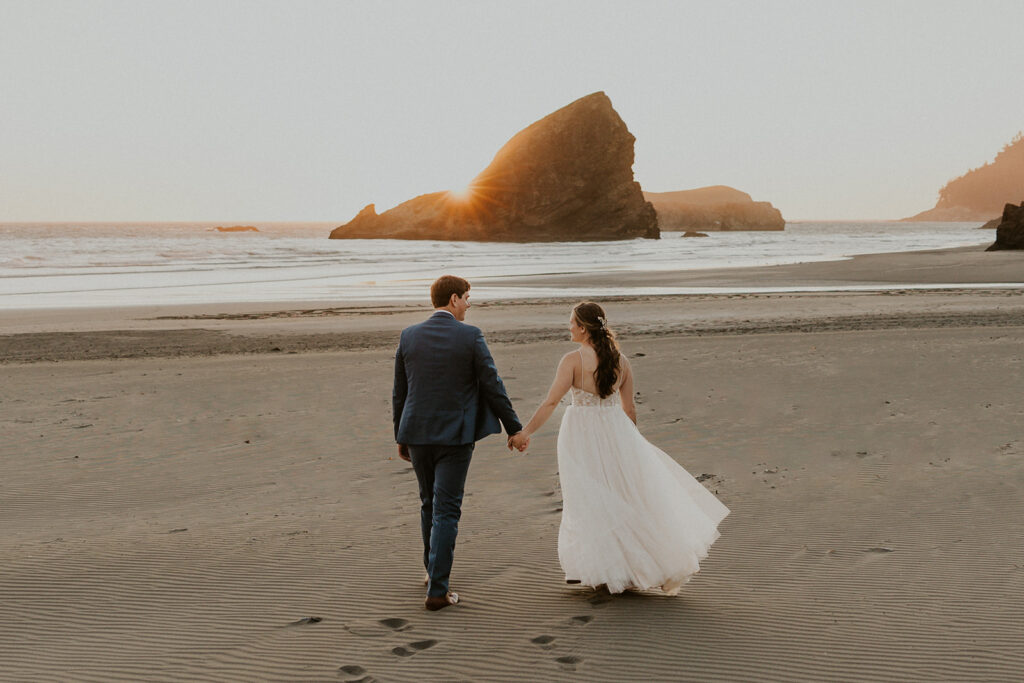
981, 193
1010, 233
567, 177
713, 208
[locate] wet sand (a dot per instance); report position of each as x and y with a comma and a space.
962, 265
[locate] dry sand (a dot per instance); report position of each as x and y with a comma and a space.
222, 511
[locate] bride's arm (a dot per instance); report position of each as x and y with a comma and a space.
626, 389
562, 383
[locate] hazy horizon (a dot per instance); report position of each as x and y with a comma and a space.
243, 112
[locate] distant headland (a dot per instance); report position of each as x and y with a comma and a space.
717, 207
566, 177
981, 193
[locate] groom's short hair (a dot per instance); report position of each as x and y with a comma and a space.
443, 288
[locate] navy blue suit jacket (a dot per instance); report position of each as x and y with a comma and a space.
447, 389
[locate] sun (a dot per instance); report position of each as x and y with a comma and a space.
461, 194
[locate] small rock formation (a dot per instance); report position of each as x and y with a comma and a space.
237, 228
1010, 233
980, 194
566, 177
717, 207
691, 233
992, 224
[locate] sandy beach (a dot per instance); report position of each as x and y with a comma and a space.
211, 492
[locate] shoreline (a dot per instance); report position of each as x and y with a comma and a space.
947, 268
936, 268
940, 267
980, 289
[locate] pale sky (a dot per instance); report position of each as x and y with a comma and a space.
293, 111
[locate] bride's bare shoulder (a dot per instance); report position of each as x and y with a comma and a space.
571, 357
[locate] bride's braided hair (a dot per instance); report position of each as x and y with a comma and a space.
591, 317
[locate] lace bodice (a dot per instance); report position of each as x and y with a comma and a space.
581, 397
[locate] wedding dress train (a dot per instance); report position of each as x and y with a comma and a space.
631, 516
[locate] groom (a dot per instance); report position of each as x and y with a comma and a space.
447, 396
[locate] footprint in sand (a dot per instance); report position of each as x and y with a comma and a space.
356, 674
872, 554
580, 621
544, 642
569, 663
396, 624
306, 620
412, 648
377, 629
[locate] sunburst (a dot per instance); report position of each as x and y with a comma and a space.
462, 194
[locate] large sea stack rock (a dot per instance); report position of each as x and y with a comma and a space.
1010, 233
718, 207
979, 194
567, 177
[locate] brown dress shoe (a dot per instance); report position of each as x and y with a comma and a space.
437, 602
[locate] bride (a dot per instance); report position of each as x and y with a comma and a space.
632, 518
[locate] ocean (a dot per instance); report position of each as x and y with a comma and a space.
77, 265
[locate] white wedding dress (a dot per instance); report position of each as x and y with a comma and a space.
631, 516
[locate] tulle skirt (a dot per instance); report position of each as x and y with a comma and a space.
632, 518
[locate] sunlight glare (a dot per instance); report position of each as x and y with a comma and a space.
461, 193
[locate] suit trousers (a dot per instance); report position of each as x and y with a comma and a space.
441, 472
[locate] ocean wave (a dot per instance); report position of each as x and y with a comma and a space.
139, 264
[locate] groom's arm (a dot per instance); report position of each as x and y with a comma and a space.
492, 387
400, 390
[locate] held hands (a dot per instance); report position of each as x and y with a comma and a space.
520, 441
